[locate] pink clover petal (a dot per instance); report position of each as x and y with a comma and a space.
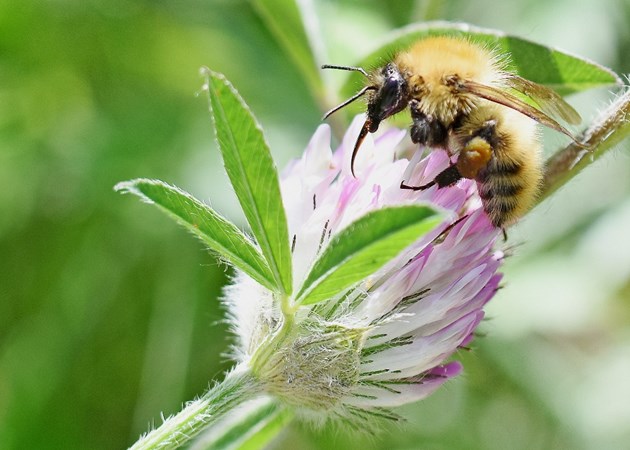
389, 395
423, 352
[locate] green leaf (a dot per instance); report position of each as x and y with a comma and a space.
250, 427
218, 233
290, 27
364, 247
553, 68
253, 175
269, 428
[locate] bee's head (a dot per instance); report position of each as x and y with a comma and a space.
387, 95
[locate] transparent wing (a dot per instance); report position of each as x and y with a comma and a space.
549, 101
506, 99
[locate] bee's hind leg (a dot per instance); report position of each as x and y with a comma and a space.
473, 157
447, 177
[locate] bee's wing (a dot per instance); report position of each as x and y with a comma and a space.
504, 98
548, 100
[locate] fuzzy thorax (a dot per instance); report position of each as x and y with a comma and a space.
430, 63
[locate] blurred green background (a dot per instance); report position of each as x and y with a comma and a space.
108, 311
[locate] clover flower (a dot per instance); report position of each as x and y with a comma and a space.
384, 341
352, 294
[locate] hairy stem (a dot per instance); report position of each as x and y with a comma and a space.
271, 344
238, 386
607, 131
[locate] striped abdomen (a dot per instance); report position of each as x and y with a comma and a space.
508, 185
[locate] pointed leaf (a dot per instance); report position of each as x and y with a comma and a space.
253, 175
289, 25
269, 428
250, 427
217, 232
363, 247
556, 69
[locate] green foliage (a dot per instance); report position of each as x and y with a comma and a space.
558, 70
356, 252
219, 234
285, 20
253, 175
270, 425
258, 424
363, 247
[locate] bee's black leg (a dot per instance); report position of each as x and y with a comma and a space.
505, 237
416, 188
425, 129
447, 177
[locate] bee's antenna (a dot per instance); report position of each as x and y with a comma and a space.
350, 68
350, 100
368, 123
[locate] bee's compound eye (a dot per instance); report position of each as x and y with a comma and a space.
392, 75
390, 70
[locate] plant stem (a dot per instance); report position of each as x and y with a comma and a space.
607, 131
237, 387
271, 345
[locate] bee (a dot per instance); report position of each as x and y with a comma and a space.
462, 99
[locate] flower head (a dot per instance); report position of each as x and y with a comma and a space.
383, 342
